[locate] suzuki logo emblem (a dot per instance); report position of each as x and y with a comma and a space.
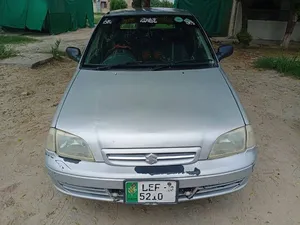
151, 159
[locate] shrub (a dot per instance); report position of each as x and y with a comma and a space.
57, 54
97, 17
244, 38
6, 52
283, 64
161, 3
118, 4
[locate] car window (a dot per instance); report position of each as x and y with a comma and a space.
147, 40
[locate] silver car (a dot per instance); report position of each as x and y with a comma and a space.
150, 117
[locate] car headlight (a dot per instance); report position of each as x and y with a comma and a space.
233, 142
68, 145
50, 143
251, 142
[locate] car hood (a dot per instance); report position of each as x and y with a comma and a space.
141, 109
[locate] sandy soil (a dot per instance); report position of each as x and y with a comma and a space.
28, 99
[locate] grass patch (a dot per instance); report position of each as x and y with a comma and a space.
286, 65
97, 17
14, 39
6, 52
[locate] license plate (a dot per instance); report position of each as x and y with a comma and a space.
143, 192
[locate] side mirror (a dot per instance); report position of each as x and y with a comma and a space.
73, 53
224, 51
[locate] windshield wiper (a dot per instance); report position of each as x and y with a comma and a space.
121, 65
190, 62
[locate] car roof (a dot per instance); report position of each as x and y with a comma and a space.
148, 11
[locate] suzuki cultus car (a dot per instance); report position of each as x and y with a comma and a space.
150, 117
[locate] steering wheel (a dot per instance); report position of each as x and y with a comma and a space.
119, 47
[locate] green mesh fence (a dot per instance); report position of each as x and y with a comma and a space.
214, 15
54, 16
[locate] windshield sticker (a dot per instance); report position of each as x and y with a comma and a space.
107, 21
178, 19
165, 19
189, 22
148, 20
129, 20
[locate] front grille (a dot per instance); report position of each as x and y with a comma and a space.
92, 192
118, 195
210, 189
86, 190
146, 157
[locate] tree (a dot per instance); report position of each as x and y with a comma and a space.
118, 4
151, 3
147, 3
245, 8
161, 3
243, 36
291, 23
137, 4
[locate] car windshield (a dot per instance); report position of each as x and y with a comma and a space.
157, 42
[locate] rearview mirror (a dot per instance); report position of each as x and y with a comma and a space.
224, 51
73, 53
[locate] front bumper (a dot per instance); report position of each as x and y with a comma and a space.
202, 179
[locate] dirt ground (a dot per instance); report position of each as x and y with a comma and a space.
28, 99
77, 39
